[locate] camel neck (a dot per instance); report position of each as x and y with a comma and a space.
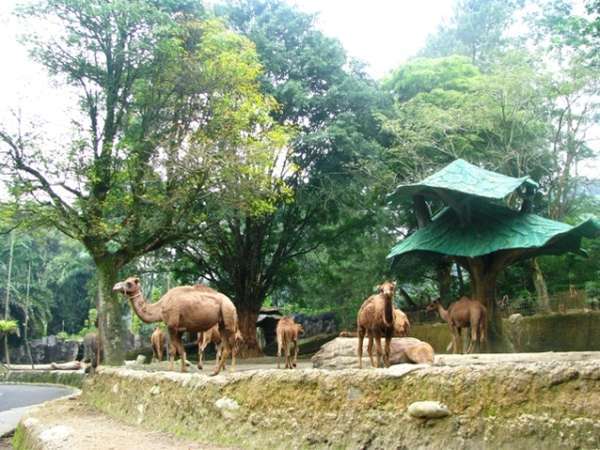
443, 312
147, 312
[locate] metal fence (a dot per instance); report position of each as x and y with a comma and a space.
560, 302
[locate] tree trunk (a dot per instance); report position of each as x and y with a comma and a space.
26, 325
444, 280
7, 304
111, 310
461, 282
483, 287
539, 283
247, 322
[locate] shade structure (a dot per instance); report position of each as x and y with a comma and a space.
493, 227
464, 179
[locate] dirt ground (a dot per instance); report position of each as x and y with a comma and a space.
90, 430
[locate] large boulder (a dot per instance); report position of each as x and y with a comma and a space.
340, 353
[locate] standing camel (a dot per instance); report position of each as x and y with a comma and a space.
461, 314
376, 318
186, 308
287, 336
158, 343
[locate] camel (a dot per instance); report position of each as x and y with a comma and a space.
213, 336
376, 318
158, 343
401, 326
186, 308
463, 313
401, 323
287, 336
92, 351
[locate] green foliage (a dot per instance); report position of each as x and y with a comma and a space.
8, 327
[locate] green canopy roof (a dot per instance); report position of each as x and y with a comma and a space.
465, 178
494, 227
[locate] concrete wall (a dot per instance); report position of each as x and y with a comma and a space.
553, 404
573, 331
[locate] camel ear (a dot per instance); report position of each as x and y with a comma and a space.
136, 280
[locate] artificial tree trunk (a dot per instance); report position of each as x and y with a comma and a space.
539, 283
111, 311
483, 289
444, 280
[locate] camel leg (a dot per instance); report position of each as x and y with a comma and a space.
472, 344
295, 353
279, 352
370, 350
225, 350
359, 350
200, 353
176, 340
386, 350
378, 349
172, 350
288, 363
234, 350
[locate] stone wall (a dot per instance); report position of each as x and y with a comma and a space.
46, 350
550, 404
572, 331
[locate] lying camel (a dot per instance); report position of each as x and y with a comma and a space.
287, 335
158, 343
376, 318
463, 313
401, 326
186, 308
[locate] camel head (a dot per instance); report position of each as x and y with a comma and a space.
433, 306
387, 288
129, 287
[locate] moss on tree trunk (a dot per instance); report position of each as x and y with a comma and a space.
111, 310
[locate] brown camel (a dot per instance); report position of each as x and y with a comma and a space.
158, 343
463, 313
186, 308
213, 336
401, 326
401, 323
376, 318
287, 336
92, 351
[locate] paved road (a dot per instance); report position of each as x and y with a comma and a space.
16, 398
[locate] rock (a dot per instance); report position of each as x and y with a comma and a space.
155, 390
55, 437
340, 353
228, 407
227, 403
317, 324
45, 351
141, 359
428, 410
516, 317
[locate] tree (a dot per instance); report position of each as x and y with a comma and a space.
328, 100
172, 115
477, 30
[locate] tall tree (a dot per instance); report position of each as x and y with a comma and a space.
172, 114
477, 29
328, 100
